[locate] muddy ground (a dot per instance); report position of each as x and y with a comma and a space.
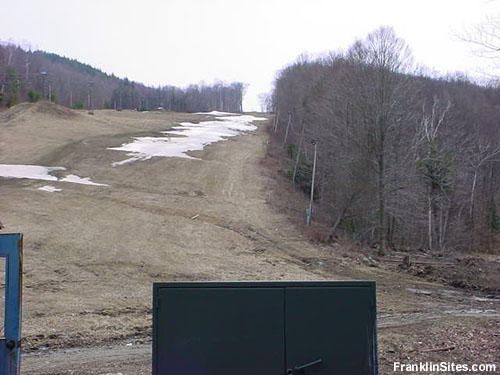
92, 252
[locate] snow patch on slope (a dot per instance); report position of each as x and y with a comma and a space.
38, 172
216, 113
49, 188
80, 180
35, 172
187, 137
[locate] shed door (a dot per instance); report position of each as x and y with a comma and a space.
330, 331
10, 293
220, 331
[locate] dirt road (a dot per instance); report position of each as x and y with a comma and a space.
92, 252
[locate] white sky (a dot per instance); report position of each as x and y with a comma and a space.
179, 42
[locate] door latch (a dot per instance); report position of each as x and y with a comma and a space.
11, 344
300, 369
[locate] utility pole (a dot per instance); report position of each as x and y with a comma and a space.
120, 107
309, 211
27, 68
44, 76
287, 127
91, 107
50, 92
298, 154
10, 53
71, 98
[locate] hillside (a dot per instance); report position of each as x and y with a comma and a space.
92, 252
28, 76
404, 161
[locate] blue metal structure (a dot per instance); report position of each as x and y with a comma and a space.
11, 248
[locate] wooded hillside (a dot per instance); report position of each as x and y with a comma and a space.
404, 160
37, 75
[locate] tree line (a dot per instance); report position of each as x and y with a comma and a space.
404, 160
37, 75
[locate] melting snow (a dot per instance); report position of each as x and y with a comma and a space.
37, 172
49, 188
216, 113
187, 137
79, 180
34, 172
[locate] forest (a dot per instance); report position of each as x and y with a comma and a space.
37, 75
405, 160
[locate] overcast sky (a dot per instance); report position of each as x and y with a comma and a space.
179, 42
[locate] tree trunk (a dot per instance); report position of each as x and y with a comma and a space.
287, 128
429, 219
298, 154
490, 210
471, 210
381, 199
444, 228
333, 229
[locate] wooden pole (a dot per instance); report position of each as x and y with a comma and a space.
298, 155
27, 68
287, 127
276, 121
91, 107
44, 75
308, 219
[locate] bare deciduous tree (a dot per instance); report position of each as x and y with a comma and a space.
380, 62
405, 160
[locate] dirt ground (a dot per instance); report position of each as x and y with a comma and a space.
91, 253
